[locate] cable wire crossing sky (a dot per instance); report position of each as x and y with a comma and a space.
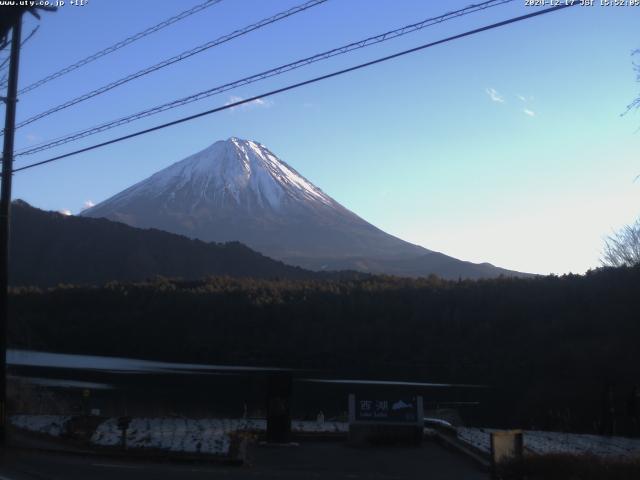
238, 101
262, 75
508, 146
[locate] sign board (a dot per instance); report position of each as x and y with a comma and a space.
401, 411
391, 420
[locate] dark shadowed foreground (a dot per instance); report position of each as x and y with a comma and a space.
322, 460
583, 467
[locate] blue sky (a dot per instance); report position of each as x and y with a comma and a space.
506, 147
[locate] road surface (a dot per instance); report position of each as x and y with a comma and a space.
310, 460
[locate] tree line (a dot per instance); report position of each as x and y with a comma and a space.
547, 347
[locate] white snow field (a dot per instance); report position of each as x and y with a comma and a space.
210, 436
107, 434
310, 426
179, 435
54, 425
542, 443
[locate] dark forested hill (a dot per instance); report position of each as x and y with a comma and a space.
48, 248
546, 346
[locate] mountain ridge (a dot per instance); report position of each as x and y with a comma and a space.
49, 248
239, 190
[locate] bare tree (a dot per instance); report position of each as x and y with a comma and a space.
623, 247
636, 66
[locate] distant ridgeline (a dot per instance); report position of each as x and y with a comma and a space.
547, 346
48, 248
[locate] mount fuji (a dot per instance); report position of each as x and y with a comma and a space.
238, 190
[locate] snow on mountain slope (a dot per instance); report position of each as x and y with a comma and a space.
239, 190
232, 171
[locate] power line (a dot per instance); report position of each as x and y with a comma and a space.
5, 63
177, 58
260, 76
120, 44
300, 84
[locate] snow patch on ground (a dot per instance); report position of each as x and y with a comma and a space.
555, 442
542, 443
108, 434
476, 437
210, 436
180, 435
54, 425
304, 426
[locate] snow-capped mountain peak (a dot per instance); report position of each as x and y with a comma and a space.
239, 190
233, 171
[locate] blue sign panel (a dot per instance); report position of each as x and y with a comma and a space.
386, 410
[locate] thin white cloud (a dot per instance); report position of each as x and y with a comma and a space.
66, 212
262, 103
258, 102
531, 113
494, 95
524, 98
32, 137
88, 204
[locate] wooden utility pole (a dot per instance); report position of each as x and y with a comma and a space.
5, 209
10, 19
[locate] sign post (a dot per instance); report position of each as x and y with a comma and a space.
386, 420
5, 208
279, 388
506, 451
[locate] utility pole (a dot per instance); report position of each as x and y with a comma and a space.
5, 208
11, 19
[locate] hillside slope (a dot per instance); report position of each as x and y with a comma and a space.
48, 248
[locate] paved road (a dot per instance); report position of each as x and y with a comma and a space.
311, 460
